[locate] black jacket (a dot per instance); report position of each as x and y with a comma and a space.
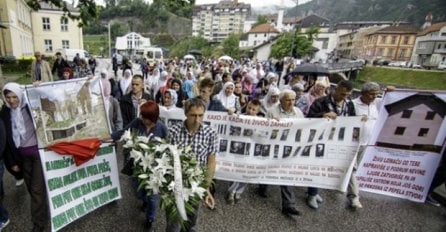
326, 104
59, 67
10, 154
127, 109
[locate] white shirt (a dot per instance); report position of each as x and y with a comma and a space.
372, 112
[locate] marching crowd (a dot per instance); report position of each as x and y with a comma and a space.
134, 101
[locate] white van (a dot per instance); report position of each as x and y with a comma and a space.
69, 54
153, 54
442, 65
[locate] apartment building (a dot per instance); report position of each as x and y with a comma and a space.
52, 32
430, 46
393, 43
216, 21
16, 37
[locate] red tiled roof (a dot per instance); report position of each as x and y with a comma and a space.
264, 28
434, 27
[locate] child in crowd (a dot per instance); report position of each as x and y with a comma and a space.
237, 188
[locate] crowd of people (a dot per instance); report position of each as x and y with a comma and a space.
133, 101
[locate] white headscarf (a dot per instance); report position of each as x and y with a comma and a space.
17, 122
173, 98
125, 82
227, 101
272, 91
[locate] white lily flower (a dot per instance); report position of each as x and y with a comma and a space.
136, 155
171, 186
128, 144
126, 136
146, 162
163, 163
142, 139
143, 146
196, 189
153, 185
143, 176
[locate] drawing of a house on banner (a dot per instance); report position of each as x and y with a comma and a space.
413, 123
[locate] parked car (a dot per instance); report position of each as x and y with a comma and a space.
442, 65
381, 62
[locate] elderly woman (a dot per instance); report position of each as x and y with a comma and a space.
242, 98
271, 99
148, 124
318, 90
111, 104
22, 152
228, 99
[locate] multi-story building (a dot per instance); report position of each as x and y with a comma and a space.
351, 45
393, 43
430, 46
52, 32
16, 37
216, 21
260, 34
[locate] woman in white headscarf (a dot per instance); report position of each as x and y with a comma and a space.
228, 98
270, 100
22, 152
125, 82
169, 99
111, 104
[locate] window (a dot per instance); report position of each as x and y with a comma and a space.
423, 132
380, 51
393, 40
406, 114
402, 53
406, 40
430, 115
383, 39
400, 130
439, 46
46, 24
48, 45
390, 52
64, 24
65, 44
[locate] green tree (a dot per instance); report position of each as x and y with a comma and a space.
291, 44
261, 19
231, 46
182, 47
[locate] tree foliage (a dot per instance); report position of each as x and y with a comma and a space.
261, 19
182, 47
230, 46
293, 44
87, 9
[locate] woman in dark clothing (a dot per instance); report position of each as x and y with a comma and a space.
147, 124
181, 96
22, 152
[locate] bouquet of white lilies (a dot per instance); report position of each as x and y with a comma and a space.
169, 171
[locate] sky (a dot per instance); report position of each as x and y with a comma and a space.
254, 3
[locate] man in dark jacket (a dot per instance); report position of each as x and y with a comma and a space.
331, 106
130, 102
59, 65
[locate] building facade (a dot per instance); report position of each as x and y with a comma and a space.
16, 38
392, 43
132, 44
259, 34
216, 21
52, 32
430, 46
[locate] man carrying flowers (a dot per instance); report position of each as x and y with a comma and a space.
202, 141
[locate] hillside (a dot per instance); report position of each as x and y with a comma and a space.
413, 11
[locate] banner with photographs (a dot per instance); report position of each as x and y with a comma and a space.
298, 152
406, 146
68, 110
74, 191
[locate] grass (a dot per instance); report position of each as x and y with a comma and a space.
403, 78
92, 44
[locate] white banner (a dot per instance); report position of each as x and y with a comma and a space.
406, 144
75, 191
297, 152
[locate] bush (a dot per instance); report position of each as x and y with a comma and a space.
24, 64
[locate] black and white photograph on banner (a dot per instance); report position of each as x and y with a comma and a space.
321, 136
312, 135
223, 145
341, 134
306, 151
296, 151
266, 148
261, 134
287, 151
298, 135
258, 149
332, 133
237, 147
320, 149
247, 149
222, 129
284, 136
235, 131
274, 134
248, 132
173, 122
276, 151
356, 134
